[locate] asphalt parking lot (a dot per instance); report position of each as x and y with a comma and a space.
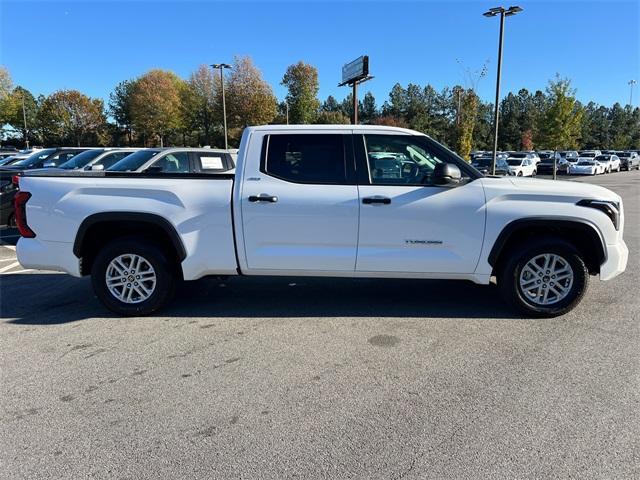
320, 378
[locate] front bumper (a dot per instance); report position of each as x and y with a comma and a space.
616, 262
43, 255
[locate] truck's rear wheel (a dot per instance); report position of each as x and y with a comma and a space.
544, 278
132, 277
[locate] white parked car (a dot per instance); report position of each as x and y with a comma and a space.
522, 167
303, 202
611, 162
586, 167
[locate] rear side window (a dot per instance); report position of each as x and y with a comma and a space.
111, 158
305, 158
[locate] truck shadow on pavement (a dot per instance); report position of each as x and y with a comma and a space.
49, 299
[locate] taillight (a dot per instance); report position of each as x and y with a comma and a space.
20, 207
15, 179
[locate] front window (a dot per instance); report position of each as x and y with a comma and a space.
514, 162
401, 159
585, 163
171, 163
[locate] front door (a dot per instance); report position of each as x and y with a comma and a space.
407, 224
300, 213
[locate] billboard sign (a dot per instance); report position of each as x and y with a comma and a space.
356, 70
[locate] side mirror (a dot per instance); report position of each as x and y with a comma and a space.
446, 175
153, 169
96, 168
49, 164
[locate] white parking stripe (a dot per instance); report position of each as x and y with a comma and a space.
9, 247
9, 267
17, 271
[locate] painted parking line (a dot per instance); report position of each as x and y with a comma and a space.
9, 267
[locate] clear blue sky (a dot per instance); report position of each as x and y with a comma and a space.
91, 45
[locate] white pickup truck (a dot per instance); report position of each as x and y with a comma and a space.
335, 201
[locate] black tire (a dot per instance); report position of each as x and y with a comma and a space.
11, 221
519, 174
165, 275
534, 173
509, 277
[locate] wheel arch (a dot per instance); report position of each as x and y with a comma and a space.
581, 233
98, 229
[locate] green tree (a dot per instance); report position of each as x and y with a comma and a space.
301, 80
120, 107
369, 110
330, 105
201, 104
68, 116
249, 98
327, 118
467, 123
156, 104
562, 116
15, 115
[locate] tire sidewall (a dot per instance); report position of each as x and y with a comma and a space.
514, 267
165, 279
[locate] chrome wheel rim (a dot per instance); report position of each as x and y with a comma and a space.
546, 279
130, 278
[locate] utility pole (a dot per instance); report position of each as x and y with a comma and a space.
287, 110
492, 12
221, 67
355, 103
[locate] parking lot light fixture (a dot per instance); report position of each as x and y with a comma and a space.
631, 84
221, 67
492, 12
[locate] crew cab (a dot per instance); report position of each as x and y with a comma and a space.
331, 201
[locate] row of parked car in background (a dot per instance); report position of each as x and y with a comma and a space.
88, 159
548, 162
208, 160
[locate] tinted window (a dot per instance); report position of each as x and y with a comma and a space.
111, 158
400, 159
134, 161
81, 159
172, 163
306, 158
34, 158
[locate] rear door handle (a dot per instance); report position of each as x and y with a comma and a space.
263, 198
381, 200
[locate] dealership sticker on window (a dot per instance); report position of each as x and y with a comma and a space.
211, 162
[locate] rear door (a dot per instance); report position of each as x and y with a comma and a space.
408, 224
300, 210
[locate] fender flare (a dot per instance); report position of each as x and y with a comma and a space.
137, 217
543, 222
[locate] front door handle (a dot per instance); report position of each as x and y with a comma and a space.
263, 198
381, 200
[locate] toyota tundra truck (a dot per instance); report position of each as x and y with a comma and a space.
330, 201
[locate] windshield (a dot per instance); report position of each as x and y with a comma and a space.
34, 158
81, 159
514, 162
603, 158
483, 162
586, 162
587, 154
134, 161
518, 155
624, 154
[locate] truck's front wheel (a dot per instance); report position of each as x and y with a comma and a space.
544, 278
132, 277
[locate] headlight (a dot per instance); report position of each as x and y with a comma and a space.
610, 208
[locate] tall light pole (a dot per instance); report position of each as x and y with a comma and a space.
221, 67
492, 12
631, 84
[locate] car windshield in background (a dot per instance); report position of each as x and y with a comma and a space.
518, 155
545, 156
624, 154
134, 161
514, 162
81, 159
603, 158
34, 158
482, 162
586, 162
587, 154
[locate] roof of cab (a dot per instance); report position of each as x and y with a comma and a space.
358, 128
